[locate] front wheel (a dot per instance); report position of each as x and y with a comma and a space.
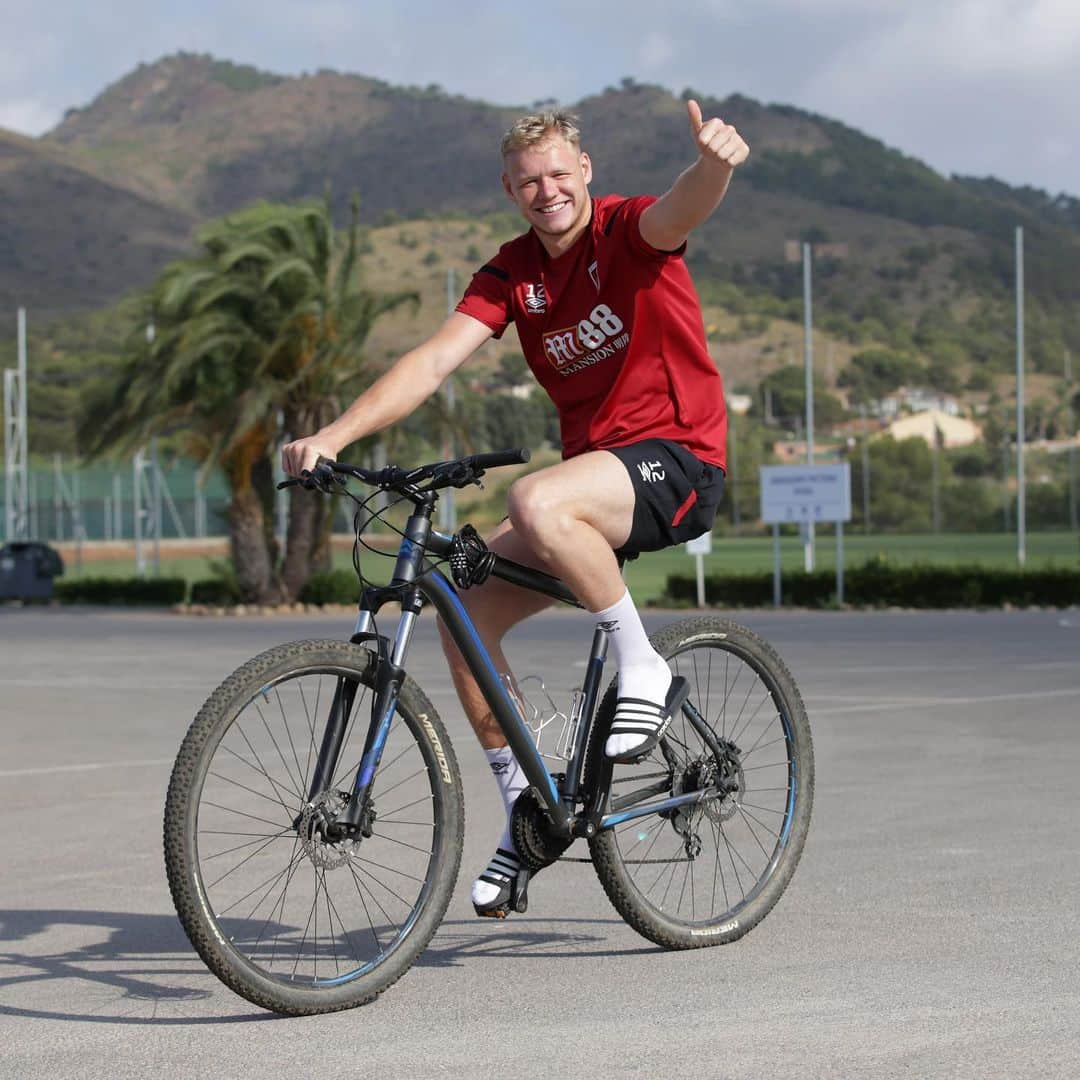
283, 911
707, 873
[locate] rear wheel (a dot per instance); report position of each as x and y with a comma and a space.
706, 873
290, 916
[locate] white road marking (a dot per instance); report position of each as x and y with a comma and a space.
924, 702
85, 767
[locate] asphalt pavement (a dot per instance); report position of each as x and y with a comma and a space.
930, 930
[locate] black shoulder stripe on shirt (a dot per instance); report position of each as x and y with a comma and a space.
489, 269
614, 213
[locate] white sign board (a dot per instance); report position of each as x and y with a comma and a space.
798, 493
700, 545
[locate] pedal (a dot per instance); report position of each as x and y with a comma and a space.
520, 898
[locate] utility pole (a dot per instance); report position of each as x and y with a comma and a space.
935, 482
1072, 440
865, 471
1021, 508
733, 467
808, 354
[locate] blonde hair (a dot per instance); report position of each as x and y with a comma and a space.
539, 128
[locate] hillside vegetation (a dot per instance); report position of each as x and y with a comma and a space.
911, 263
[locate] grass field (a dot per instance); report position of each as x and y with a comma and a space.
646, 576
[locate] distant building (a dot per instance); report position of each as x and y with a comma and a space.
955, 430
916, 401
738, 403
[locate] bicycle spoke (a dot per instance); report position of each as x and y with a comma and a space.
228, 851
230, 810
262, 767
252, 791
242, 862
244, 761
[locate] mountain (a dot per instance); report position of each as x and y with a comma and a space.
70, 238
99, 204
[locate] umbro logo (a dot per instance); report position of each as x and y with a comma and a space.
499, 767
651, 470
609, 625
535, 299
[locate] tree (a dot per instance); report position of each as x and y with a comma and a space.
874, 373
787, 386
258, 338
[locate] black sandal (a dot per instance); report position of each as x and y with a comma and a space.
635, 716
511, 876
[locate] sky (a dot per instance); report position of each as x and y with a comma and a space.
976, 87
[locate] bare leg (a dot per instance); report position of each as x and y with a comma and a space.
572, 516
494, 607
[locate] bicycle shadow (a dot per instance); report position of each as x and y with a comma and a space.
459, 940
125, 978
145, 961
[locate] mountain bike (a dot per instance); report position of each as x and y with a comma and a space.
314, 818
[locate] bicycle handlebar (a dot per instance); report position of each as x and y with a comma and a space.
442, 474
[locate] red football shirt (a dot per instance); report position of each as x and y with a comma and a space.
612, 330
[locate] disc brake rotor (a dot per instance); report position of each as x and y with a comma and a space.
323, 853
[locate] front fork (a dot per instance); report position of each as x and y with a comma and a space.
389, 676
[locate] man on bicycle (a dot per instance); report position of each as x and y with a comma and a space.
612, 329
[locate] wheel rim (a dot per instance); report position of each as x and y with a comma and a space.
300, 910
702, 865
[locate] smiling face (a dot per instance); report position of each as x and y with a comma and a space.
549, 184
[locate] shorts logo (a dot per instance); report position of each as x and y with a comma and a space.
589, 336
651, 470
535, 299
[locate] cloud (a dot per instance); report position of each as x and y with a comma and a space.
973, 86
28, 117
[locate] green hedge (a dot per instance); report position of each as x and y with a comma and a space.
216, 592
877, 584
331, 587
126, 591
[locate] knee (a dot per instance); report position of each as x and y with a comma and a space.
537, 507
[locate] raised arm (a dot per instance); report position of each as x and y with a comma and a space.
409, 383
698, 190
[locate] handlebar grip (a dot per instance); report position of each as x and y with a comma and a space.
500, 457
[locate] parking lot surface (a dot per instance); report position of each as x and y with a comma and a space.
930, 930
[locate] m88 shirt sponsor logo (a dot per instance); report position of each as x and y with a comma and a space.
592, 340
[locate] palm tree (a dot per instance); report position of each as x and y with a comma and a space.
259, 336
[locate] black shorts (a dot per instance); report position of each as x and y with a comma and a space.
676, 495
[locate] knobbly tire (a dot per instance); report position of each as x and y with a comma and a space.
709, 873
287, 917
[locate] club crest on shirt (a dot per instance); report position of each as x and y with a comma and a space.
535, 299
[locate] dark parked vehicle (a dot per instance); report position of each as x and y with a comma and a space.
27, 569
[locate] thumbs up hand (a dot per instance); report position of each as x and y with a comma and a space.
716, 141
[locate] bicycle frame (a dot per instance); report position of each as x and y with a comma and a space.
414, 581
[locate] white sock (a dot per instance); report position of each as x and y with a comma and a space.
511, 782
643, 672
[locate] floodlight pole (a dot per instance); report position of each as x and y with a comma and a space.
447, 504
16, 487
808, 353
1021, 515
